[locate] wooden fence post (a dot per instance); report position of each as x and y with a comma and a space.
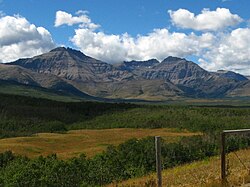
223, 159
223, 150
158, 160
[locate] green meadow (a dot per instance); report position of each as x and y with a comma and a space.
52, 143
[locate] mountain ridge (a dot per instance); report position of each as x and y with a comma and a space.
171, 78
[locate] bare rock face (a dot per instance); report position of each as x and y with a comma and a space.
177, 70
188, 77
66, 63
151, 79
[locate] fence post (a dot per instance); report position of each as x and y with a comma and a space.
223, 159
158, 160
223, 151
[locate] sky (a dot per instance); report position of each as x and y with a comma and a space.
213, 33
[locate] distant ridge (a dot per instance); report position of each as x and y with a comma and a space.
231, 75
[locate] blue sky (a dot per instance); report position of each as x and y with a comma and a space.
115, 16
210, 45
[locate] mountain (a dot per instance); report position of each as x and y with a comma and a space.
186, 75
15, 88
66, 63
242, 90
177, 70
137, 65
17, 74
171, 78
231, 75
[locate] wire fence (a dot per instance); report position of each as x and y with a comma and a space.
235, 165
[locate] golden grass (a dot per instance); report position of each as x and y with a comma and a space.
75, 142
201, 173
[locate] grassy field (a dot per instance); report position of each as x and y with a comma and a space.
202, 173
75, 142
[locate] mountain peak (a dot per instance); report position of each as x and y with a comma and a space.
75, 54
63, 49
149, 62
59, 49
171, 59
65, 63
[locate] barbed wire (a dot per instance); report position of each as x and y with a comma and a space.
237, 156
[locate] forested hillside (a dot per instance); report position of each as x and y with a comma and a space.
21, 116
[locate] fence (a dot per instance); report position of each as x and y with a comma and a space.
224, 134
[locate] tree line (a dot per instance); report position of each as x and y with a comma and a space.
23, 116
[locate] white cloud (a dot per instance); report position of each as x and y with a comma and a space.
79, 12
117, 48
231, 52
215, 50
99, 45
64, 18
159, 44
20, 39
206, 21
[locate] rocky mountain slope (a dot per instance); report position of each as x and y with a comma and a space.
151, 80
242, 90
71, 65
14, 73
231, 75
187, 76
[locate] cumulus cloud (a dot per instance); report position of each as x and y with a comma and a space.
227, 50
158, 44
231, 52
20, 39
206, 21
64, 18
